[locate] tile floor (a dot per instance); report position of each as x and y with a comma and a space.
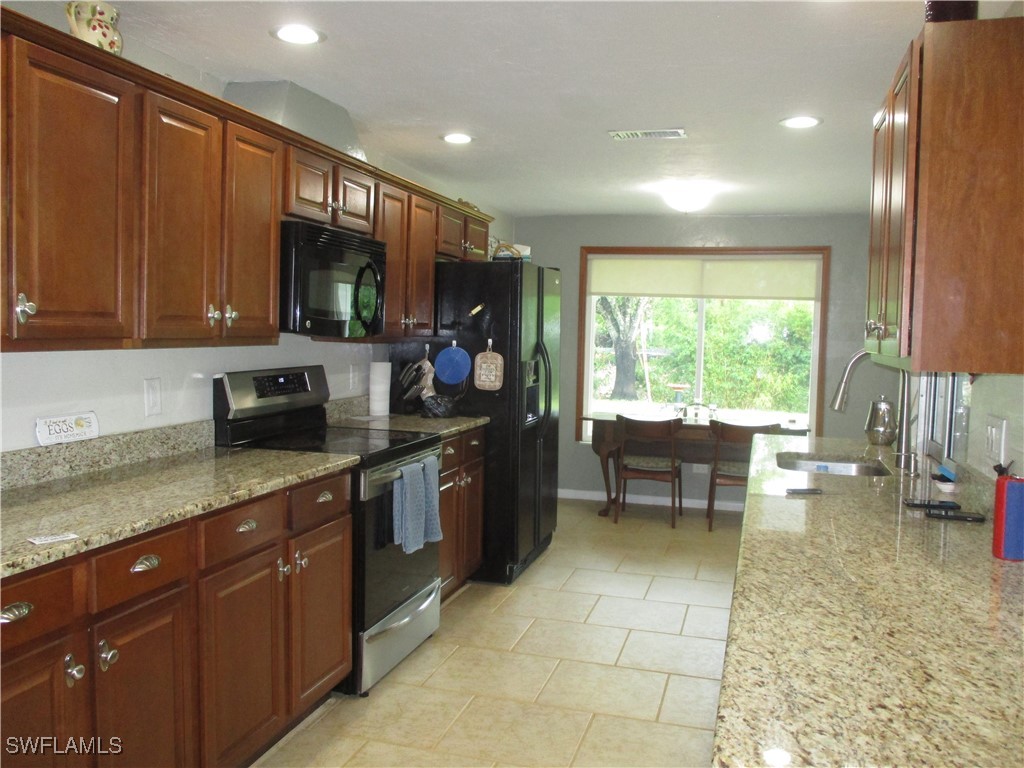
607, 651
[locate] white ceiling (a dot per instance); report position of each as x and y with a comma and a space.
539, 85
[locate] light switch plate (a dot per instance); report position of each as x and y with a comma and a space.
151, 396
995, 439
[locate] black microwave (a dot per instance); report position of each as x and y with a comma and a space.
332, 282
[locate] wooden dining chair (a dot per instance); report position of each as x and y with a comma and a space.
731, 462
647, 451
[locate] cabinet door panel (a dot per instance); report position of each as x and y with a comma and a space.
253, 166
450, 232
448, 547
74, 197
145, 698
392, 228
241, 661
354, 193
420, 293
37, 703
308, 185
321, 611
473, 518
900, 236
476, 239
181, 252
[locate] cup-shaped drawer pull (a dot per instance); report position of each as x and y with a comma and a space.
146, 563
324, 497
449, 451
474, 442
246, 526
15, 612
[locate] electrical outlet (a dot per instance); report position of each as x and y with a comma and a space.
701, 469
995, 439
151, 397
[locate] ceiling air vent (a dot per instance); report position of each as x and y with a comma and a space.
664, 133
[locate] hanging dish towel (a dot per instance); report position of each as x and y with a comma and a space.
415, 512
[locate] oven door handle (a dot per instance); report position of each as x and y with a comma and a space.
419, 609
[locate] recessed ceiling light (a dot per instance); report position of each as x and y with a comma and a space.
298, 34
801, 121
458, 138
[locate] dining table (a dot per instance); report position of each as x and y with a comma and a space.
695, 444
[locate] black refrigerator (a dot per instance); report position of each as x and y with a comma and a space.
517, 306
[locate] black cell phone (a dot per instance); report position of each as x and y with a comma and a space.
940, 514
950, 506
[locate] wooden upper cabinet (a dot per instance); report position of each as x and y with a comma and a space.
393, 230
182, 234
406, 224
947, 220
967, 310
253, 171
460, 236
353, 192
317, 188
891, 249
451, 232
420, 291
74, 188
308, 185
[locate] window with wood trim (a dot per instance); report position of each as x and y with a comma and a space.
727, 333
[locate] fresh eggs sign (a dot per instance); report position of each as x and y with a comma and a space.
67, 429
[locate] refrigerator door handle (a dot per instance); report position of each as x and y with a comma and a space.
547, 387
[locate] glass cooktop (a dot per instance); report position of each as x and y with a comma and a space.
373, 446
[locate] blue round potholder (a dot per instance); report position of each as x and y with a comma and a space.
452, 365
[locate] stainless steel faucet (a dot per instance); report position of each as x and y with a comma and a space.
906, 459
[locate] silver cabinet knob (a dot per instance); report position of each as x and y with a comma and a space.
873, 328
301, 561
283, 569
15, 612
230, 315
24, 308
72, 672
449, 451
108, 655
213, 314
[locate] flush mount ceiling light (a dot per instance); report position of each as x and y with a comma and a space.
299, 34
687, 196
800, 121
458, 138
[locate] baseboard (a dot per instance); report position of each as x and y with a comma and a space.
657, 501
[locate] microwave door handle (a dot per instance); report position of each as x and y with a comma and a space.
378, 290
355, 297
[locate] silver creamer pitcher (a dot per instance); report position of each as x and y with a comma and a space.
881, 424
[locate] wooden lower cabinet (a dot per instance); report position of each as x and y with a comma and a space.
460, 552
42, 710
142, 682
320, 591
243, 701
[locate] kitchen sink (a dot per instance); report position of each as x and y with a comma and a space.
831, 463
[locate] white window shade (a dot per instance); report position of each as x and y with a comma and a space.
775, 277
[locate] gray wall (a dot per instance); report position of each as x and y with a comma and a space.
556, 241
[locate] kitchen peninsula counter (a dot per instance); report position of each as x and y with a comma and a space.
863, 632
111, 505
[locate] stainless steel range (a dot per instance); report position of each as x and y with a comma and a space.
396, 596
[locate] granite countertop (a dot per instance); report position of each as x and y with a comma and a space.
114, 504
863, 632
